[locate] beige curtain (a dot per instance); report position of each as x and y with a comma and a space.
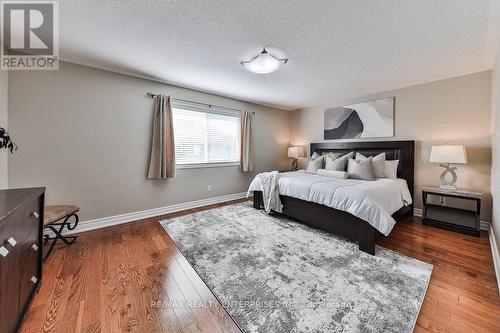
246, 151
162, 159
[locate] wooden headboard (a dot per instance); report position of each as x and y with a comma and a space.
403, 151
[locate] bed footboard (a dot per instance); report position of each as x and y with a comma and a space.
326, 218
366, 237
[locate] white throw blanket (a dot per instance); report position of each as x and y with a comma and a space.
269, 184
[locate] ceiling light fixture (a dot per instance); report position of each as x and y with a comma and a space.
263, 63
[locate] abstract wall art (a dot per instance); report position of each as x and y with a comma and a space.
371, 119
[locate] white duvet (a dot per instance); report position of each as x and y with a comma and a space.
373, 201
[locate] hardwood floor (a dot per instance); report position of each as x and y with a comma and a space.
463, 293
122, 278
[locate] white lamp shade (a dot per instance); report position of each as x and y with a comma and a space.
448, 154
296, 152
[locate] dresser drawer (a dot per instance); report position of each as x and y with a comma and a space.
9, 300
9, 285
17, 226
12, 236
32, 218
20, 229
9, 236
29, 268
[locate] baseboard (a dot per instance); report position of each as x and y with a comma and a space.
484, 225
496, 255
105, 222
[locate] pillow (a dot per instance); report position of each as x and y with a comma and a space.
337, 162
391, 169
314, 156
332, 155
314, 164
360, 169
332, 173
378, 164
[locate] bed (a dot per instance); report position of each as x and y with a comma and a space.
341, 222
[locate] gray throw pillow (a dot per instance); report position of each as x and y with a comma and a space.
360, 169
391, 169
378, 163
314, 164
315, 155
332, 155
337, 162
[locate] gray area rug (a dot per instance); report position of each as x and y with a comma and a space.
273, 274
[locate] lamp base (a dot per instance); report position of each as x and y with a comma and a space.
448, 187
448, 184
295, 164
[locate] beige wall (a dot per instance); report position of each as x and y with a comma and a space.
451, 111
495, 170
3, 123
85, 133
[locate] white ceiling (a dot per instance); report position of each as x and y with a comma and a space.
337, 49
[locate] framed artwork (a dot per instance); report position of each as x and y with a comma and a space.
373, 119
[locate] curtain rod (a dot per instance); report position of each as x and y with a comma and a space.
184, 100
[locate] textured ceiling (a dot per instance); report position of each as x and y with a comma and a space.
337, 49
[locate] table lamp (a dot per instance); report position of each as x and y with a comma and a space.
295, 153
446, 155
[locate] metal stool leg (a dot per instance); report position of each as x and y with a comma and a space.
66, 239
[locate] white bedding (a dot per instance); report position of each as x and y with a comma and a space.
373, 201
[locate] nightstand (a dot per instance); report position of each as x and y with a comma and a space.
461, 220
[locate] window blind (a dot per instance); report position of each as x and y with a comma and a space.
203, 135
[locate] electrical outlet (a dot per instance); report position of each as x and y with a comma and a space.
209, 188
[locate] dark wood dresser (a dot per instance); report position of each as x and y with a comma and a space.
21, 232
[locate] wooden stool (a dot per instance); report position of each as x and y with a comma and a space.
52, 217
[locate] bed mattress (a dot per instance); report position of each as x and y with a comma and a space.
372, 201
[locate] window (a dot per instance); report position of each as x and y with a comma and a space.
205, 135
